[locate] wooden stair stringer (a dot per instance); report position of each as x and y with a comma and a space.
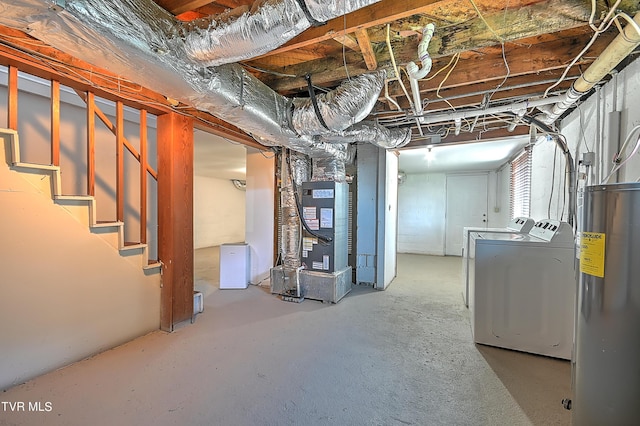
47, 180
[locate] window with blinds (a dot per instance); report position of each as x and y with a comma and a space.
520, 185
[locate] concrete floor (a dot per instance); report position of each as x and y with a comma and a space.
399, 357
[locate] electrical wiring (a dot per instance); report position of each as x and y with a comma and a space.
498, 37
457, 56
617, 159
561, 141
604, 26
553, 180
502, 42
395, 67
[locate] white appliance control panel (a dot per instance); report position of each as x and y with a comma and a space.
521, 224
552, 230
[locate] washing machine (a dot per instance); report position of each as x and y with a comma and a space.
517, 225
522, 289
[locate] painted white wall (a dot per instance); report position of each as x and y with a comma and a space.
422, 210
34, 130
259, 224
65, 293
588, 128
218, 212
421, 214
390, 217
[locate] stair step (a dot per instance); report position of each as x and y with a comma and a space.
133, 246
74, 198
152, 265
36, 166
107, 224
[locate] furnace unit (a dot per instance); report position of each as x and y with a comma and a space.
325, 212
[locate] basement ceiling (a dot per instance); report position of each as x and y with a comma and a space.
485, 53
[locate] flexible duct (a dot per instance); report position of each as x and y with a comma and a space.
371, 132
350, 103
138, 40
615, 52
329, 169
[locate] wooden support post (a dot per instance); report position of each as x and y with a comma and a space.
12, 90
119, 161
55, 122
143, 176
91, 144
175, 218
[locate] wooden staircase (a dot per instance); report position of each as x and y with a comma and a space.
47, 180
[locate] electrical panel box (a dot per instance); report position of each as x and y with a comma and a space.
325, 210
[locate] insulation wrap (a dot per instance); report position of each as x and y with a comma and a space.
350, 103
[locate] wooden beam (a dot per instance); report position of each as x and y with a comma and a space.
179, 6
12, 93
55, 122
175, 218
91, 144
532, 60
119, 162
485, 66
143, 176
348, 41
367, 51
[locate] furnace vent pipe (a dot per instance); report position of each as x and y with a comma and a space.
416, 74
617, 50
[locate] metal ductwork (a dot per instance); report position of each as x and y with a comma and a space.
369, 131
213, 41
619, 49
140, 41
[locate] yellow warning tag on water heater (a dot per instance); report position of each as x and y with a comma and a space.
592, 253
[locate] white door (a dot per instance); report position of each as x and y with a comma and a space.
466, 206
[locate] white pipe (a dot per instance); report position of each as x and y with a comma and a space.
516, 120
437, 118
458, 122
415, 73
615, 52
423, 54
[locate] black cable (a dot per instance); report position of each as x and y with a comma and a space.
553, 180
569, 166
299, 207
313, 21
314, 102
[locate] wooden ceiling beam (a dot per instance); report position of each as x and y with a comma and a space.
484, 66
367, 50
348, 41
177, 7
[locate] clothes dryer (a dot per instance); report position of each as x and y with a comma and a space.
522, 289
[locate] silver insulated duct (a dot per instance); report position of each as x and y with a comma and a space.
140, 41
